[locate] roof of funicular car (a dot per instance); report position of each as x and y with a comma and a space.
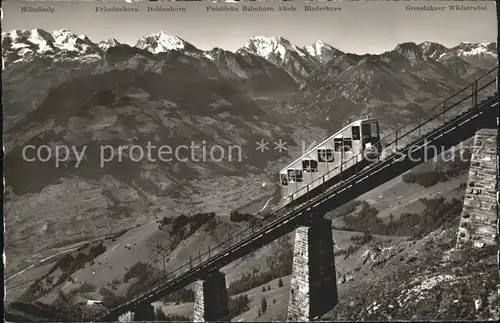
369, 120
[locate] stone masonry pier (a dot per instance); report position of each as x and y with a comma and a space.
479, 223
211, 300
143, 312
313, 286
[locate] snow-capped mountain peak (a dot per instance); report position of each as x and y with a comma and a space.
299, 62
66, 40
24, 40
106, 44
21, 45
322, 51
470, 49
433, 50
282, 53
272, 46
317, 48
478, 54
161, 42
42, 39
64, 36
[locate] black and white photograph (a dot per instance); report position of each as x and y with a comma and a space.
245, 161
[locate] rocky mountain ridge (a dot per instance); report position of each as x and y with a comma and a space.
299, 62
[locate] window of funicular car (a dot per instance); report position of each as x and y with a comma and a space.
337, 144
325, 155
347, 144
294, 175
311, 166
374, 129
298, 175
366, 129
355, 133
284, 180
305, 163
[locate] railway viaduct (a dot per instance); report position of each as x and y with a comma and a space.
313, 289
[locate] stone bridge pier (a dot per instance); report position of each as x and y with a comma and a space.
313, 285
143, 312
479, 220
211, 300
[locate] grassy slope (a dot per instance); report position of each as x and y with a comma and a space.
364, 266
427, 280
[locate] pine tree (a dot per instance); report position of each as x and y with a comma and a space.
280, 283
263, 305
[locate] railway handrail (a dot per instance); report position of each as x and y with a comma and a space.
472, 95
261, 226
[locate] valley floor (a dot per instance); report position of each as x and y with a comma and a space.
394, 272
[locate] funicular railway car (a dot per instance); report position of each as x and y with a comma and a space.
333, 159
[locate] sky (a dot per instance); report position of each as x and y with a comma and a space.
361, 27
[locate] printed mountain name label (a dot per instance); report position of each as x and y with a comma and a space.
222, 8
322, 8
163, 9
462, 7
257, 8
116, 9
38, 9
251, 8
450, 7
287, 8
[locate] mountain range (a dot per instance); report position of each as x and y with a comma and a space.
61, 88
20, 45
276, 65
